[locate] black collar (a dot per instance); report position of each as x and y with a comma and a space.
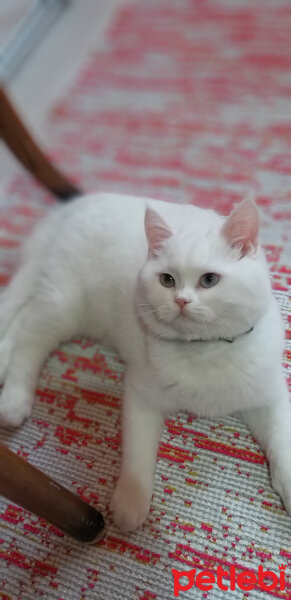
225, 339
230, 340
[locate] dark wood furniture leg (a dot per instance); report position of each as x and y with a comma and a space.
25, 485
18, 139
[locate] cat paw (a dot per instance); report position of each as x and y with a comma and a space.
14, 408
130, 504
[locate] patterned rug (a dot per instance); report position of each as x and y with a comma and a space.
188, 101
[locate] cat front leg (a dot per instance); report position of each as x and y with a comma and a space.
141, 432
271, 426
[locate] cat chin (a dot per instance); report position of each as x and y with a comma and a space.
178, 329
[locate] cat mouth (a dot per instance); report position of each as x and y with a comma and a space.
182, 315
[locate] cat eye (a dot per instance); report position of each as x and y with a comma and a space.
209, 280
167, 280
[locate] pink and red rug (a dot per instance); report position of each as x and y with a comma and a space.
188, 101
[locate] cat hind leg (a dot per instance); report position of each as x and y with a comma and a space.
14, 297
43, 326
7, 344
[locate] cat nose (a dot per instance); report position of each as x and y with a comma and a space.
182, 301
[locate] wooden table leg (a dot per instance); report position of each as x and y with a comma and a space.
20, 142
22, 483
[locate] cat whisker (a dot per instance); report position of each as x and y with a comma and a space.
203, 322
148, 304
145, 304
128, 323
149, 312
154, 310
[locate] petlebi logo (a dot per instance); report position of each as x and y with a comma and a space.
234, 579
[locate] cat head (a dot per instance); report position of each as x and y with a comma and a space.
205, 277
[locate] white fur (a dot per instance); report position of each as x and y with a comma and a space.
92, 268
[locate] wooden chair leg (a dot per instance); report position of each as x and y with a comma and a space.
25, 485
18, 139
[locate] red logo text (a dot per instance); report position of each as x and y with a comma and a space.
244, 580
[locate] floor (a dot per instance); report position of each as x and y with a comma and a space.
53, 63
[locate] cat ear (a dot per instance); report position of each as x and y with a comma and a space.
157, 231
242, 226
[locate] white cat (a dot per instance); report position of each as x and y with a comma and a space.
183, 295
